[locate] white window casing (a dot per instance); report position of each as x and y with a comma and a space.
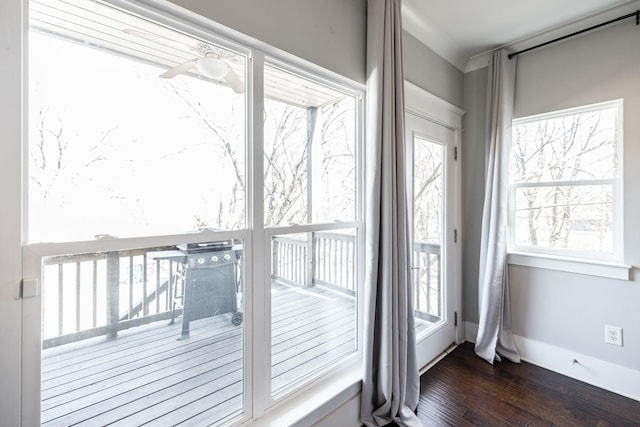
553, 156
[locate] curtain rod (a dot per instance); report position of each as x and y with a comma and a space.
620, 18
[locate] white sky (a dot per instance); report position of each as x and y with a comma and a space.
159, 157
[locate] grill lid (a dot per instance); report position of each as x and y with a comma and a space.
221, 245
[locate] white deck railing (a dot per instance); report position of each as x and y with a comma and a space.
87, 295
333, 264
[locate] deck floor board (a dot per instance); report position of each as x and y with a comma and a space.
150, 360
146, 376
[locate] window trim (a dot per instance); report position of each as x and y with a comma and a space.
329, 375
609, 270
575, 260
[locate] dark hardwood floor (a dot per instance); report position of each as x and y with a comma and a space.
463, 390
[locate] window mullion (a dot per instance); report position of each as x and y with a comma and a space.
564, 183
260, 338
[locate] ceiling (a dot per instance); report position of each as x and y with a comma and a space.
462, 29
110, 29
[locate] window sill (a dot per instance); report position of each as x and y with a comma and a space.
318, 400
571, 265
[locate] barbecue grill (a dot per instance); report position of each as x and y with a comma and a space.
210, 282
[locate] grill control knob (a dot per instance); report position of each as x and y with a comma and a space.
227, 257
200, 260
214, 259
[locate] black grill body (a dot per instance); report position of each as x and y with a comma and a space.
211, 283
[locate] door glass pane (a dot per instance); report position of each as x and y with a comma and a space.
122, 143
313, 304
428, 187
150, 335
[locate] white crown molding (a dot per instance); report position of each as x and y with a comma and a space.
433, 37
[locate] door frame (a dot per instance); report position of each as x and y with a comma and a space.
426, 106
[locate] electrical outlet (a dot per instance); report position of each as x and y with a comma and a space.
613, 335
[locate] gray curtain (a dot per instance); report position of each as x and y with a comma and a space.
494, 327
391, 384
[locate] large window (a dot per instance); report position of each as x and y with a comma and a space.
173, 272
566, 182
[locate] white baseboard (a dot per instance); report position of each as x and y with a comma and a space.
470, 331
609, 376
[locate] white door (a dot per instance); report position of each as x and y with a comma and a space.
435, 263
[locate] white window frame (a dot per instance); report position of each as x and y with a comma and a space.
337, 381
342, 375
604, 265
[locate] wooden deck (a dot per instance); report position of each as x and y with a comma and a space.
148, 377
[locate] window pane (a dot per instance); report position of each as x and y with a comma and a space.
579, 146
313, 304
576, 218
309, 148
116, 149
147, 335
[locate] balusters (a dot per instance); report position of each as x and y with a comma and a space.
157, 286
130, 287
77, 296
94, 287
145, 303
60, 298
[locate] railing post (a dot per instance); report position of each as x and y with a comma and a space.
113, 294
310, 259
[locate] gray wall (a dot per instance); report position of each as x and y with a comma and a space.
425, 68
473, 171
565, 309
329, 33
